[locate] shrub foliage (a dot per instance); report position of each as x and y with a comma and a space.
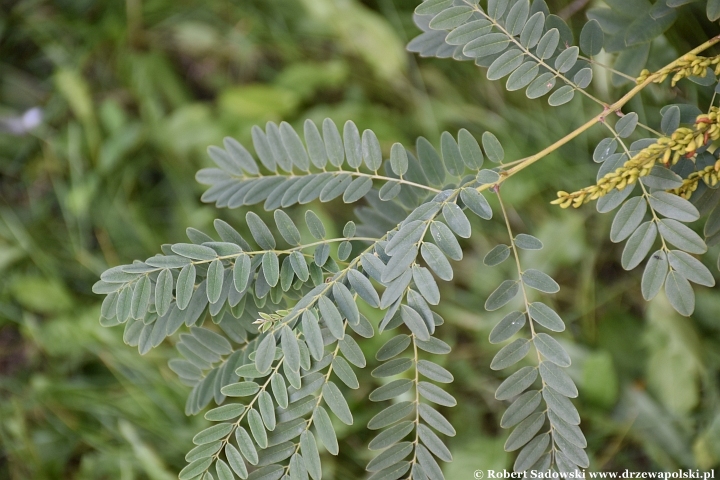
271, 324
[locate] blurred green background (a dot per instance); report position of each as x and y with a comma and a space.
132, 94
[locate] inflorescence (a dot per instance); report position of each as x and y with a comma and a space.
687, 66
668, 150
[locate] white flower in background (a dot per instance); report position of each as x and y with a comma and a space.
23, 124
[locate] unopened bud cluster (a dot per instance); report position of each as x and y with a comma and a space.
668, 150
687, 66
710, 175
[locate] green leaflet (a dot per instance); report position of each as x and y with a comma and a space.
673, 206
435, 419
279, 390
344, 372
426, 284
211, 434
287, 227
225, 412
163, 295
333, 143
493, 148
246, 445
325, 430
315, 145
517, 16
626, 125
450, 18
430, 162
414, 322
357, 189
638, 245
235, 460
215, 280
346, 303
391, 436
524, 432
195, 468
533, 30
141, 298
548, 44
390, 457
188, 250
470, 150
561, 406
522, 76
392, 367
212, 341
390, 390
203, 451
510, 354
516, 383
398, 159
527, 242
315, 225
361, 284
265, 353
497, 255
312, 333
567, 59
294, 147
372, 155
546, 316
681, 236
309, 450
390, 415
436, 260
331, 315
267, 410
496, 8
428, 464
521, 408
451, 155
242, 272
591, 38
456, 220
507, 327
337, 403
628, 218
445, 240
434, 372
663, 178
540, 86
435, 394
290, 348
260, 232
691, 268
240, 389
257, 428
555, 377
551, 349
353, 144
185, 286
531, 453
540, 281
476, 202
561, 96
393, 347
680, 294
502, 295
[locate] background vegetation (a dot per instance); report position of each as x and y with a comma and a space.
133, 92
